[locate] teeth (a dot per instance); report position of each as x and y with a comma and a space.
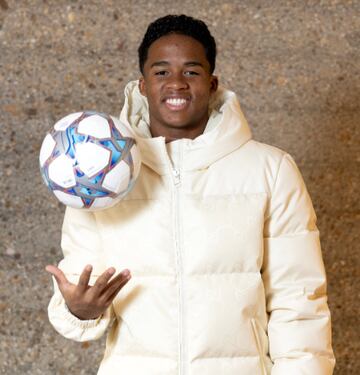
176, 101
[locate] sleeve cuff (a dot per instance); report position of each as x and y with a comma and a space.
73, 328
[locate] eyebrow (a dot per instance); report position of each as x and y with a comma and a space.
166, 63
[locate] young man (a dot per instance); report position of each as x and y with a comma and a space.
219, 235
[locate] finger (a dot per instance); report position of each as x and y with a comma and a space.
116, 284
111, 297
59, 275
84, 278
124, 274
102, 281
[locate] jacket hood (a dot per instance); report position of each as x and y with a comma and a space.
226, 130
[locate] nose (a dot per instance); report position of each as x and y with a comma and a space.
177, 81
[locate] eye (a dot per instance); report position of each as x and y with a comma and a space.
161, 73
191, 73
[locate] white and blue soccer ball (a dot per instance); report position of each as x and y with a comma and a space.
89, 160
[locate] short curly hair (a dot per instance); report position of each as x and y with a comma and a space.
178, 24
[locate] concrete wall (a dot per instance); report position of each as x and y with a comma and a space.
295, 67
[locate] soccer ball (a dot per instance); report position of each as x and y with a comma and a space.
89, 160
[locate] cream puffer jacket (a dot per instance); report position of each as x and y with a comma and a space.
220, 236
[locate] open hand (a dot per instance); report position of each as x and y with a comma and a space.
85, 301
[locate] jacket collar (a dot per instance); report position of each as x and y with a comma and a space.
226, 130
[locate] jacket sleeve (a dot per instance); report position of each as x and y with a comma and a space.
299, 327
81, 245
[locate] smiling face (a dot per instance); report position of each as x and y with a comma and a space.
178, 85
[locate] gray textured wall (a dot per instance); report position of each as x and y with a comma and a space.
295, 66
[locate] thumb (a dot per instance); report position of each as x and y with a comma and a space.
59, 276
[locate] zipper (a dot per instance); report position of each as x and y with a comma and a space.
176, 174
176, 179
177, 184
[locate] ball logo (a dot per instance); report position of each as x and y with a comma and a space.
89, 160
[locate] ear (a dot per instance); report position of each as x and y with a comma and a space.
142, 86
214, 83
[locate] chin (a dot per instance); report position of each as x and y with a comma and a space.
176, 124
